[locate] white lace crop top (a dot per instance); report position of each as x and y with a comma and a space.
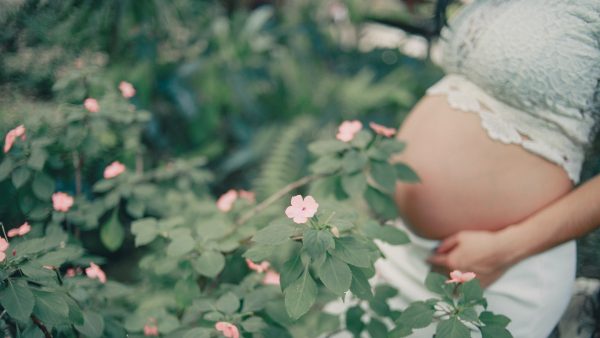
531, 70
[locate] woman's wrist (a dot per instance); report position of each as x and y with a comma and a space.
517, 244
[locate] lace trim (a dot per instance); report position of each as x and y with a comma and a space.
513, 126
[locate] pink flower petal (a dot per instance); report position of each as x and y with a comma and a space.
94, 271
113, 170
227, 329
225, 202
347, 130
11, 137
127, 89
301, 209
2, 256
91, 105
20, 231
3, 244
271, 278
248, 196
382, 130
62, 202
260, 268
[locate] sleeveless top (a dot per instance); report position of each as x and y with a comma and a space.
531, 70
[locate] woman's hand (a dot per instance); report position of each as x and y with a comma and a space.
488, 254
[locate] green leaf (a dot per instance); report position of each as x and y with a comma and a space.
354, 185
360, 286
300, 295
254, 324
354, 161
112, 233
135, 208
354, 321
400, 331
37, 159
325, 147
186, 290
20, 176
392, 146
452, 328
326, 165
377, 329
258, 299
382, 204
6, 168
335, 275
384, 175
495, 332
317, 242
75, 313
362, 139
470, 291
417, 315
290, 271
491, 319
435, 282
181, 243
274, 234
406, 174
144, 230
43, 186
228, 303
259, 253
386, 233
209, 264
104, 185
198, 332
93, 325
51, 307
17, 300
351, 251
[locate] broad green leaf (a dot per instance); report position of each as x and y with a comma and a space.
51, 307
6, 168
209, 264
362, 139
145, 230
112, 233
351, 251
17, 299
186, 290
469, 314
336, 275
452, 328
392, 146
360, 286
61, 255
181, 243
405, 173
354, 321
325, 147
135, 207
75, 313
354, 161
37, 159
228, 303
317, 242
381, 203
326, 165
377, 329
386, 233
198, 332
385, 177
491, 319
380, 307
104, 185
291, 271
437, 283
274, 234
257, 299
260, 252
254, 324
417, 315
470, 291
495, 332
43, 186
93, 325
20, 176
355, 184
400, 331
300, 295
384, 291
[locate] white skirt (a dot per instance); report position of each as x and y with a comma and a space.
533, 293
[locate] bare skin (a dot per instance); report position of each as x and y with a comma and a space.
490, 204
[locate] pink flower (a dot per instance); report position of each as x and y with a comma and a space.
91, 105
150, 329
225, 202
347, 130
382, 130
301, 210
12, 135
62, 202
94, 271
271, 278
20, 231
126, 89
460, 277
227, 329
3, 248
248, 196
70, 272
260, 268
113, 170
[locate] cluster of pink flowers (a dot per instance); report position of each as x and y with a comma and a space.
457, 276
91, 105
227, 329
62, 201
12, 136
301, 209
348, 129
151, 328
271, 276
94, 271
20, 231
226, 201
127, 89
3, 248
113, 170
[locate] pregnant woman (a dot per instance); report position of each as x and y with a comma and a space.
499, 144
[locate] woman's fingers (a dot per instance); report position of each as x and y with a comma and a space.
447, 244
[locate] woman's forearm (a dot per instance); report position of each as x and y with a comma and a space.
572, 216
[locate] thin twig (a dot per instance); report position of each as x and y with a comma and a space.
41, 325
277, 195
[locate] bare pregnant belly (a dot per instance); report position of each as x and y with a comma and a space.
468, 180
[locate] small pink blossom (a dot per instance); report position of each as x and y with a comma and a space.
302, 209
382, 130
70, 272
271, 278
227, 329
260, 268
225, 202
460, 277
150, 329
347, 130
91, 105
62, 202
113, 170
127, 89
20, 231
12, 135
94, 271
247, 195
3, 248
